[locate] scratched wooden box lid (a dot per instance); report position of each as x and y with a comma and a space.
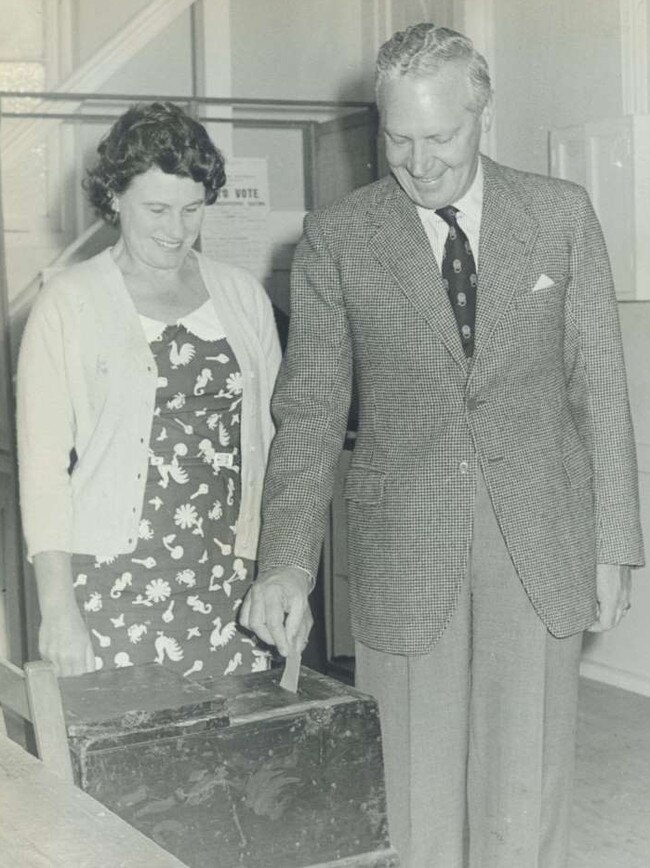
235, 771
114, 702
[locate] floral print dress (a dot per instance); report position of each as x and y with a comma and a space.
174, 600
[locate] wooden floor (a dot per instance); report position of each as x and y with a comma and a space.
611, 819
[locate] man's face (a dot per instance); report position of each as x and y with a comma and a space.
432, 135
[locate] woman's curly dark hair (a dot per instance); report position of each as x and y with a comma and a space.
154, 134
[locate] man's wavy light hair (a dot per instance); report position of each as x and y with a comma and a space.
422, 49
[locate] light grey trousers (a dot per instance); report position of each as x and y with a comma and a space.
479, 733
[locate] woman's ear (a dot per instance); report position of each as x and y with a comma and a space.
115, 204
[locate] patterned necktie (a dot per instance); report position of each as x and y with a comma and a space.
459, 277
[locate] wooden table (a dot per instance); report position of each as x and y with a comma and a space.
46, 822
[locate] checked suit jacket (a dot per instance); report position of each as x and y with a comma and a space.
542, 409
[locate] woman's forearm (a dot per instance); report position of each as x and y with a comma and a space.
54, 582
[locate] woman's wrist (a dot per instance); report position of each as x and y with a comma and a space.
54, 581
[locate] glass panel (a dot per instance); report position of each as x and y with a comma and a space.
21, 76
282, 149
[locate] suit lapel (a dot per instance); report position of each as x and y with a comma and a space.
508, 231
400, 243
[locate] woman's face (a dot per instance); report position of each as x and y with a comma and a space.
160, 217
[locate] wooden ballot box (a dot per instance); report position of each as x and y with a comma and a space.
234, 771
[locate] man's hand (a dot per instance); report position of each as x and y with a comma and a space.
276, 608
614, 587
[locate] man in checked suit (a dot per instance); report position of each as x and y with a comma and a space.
492, 495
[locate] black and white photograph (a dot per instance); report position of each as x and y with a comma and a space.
324, 433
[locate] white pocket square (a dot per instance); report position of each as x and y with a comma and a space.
543, 282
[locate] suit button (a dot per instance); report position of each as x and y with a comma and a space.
472, 403
463, 468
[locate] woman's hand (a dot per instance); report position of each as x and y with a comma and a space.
65, 641
63, 636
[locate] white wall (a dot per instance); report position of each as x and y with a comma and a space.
406, 12
95, 21
318, 49
163, 67
297, 49
555, 63
282, 49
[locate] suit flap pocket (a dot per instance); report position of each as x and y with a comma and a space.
364, 484
578, 467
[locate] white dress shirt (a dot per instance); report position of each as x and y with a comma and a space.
470, 207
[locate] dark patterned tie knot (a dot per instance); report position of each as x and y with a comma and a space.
448, 214
459, 277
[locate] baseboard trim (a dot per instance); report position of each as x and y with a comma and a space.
615, 677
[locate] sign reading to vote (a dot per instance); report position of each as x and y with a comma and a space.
236, 227
242, 195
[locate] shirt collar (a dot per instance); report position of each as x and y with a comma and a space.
470, 204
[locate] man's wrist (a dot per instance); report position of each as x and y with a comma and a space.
292, 572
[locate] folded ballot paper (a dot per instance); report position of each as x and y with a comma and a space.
289, 680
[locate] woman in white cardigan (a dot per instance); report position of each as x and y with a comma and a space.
144, 383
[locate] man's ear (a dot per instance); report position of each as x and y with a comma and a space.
487, 116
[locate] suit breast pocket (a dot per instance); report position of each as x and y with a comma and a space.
364, 484
544, 295
537, 323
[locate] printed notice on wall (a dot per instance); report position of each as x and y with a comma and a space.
236, 227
